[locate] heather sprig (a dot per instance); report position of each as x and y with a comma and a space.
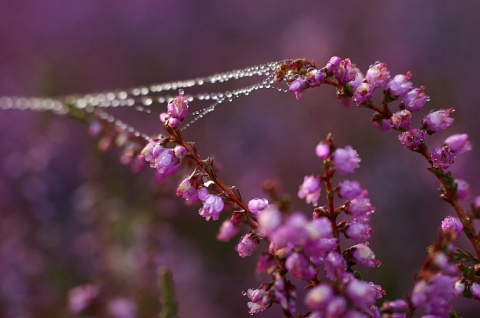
325, 251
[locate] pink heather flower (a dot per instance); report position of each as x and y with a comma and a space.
227, 231
81, 298
333, 64
356, 81
165, 162
266, 263
292, 233
475, 290
415, 99
257, 205
452, 223
212, 206
260, 299
463, 189
187, 191
437, 120
346, 160
298, 86
122, 308
459, 288
335, 308
346, 71
335, 265
400, 85
179, 151
178, 107
361, 294
442, 157
395, 305
362, 94
316, 79
412, 138
377, 75
298, 266
319, 296
310, 190
458, 143
322, 150
360, 206
382, 124
319, 239
350, 190
401, 119
363, 255
247, 245
269, 220
441, 260
434, 296
358, 230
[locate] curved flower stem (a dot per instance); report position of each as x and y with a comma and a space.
208, 169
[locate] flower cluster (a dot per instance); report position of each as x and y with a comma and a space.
326, 250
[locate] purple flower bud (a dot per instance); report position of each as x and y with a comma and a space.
475, 290
346, 160
166, 161
95, 128
335, 265
247, 245
362, 94
377, 75
434, 296
81, 298
298, 266
350, 190
401, 119
187, 191
319, 296
442, 157
322, 150
459, 287
463, 189
356, 81
266, 263
336, 307
415, 99
122, 308
363, 255
260, 300
458, 143
292, 233
437, 120
269, 220
358, 230
360, 293
318, 79
212, 206
452, 223
346, 71
179, 151
382, 124
257, 205
298, 86
412, 138
227, 231
400, 85
310, 190
178, 107
442, 262
333, 64
396, 305
360, 206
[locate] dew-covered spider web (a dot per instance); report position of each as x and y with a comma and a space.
152, 99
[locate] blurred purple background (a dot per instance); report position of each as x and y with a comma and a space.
70, 215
